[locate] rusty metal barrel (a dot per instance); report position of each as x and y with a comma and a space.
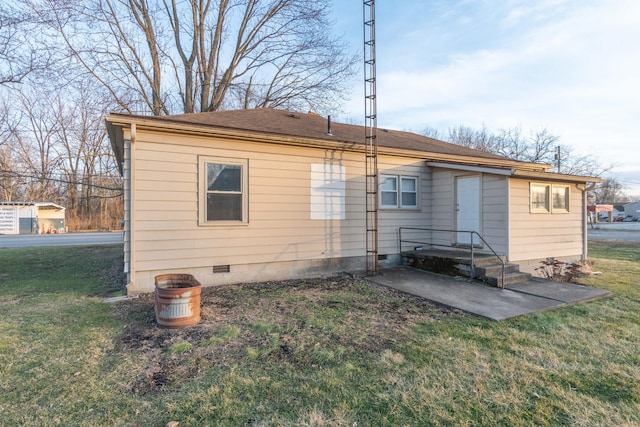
177, 300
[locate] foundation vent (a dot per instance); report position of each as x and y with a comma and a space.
221, 268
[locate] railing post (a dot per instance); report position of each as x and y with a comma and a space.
472, 252
473, 264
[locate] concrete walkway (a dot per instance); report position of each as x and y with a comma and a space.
494, 303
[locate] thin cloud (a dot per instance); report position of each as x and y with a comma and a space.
571, 66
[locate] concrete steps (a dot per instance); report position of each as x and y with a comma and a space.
509, 279
492, 275
457, 263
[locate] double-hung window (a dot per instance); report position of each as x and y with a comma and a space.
397, 191
223, 184
409, 192
388, 191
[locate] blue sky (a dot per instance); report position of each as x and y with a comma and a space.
571, 66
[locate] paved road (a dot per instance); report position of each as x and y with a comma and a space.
67, 239
627, 231
617, 231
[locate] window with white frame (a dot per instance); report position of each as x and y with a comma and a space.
223, 189
397, 191
549, 198
388, 191
409, 192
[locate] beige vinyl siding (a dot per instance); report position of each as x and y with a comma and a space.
495, 197
168, 237
535, 236
493, 209
442, 205
390, 219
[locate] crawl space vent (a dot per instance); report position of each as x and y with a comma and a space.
221, 268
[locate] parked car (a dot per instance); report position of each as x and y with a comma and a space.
630, 218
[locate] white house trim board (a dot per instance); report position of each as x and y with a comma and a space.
129, 168
469, 168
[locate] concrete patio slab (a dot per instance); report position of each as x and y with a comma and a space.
482, 300
569, 293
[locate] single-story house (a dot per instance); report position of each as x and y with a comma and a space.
31, 218
266, 194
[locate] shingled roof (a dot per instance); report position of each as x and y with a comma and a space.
314, 126
307, 128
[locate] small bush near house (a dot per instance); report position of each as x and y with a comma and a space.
560, 271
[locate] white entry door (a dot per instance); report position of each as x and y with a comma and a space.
467, 208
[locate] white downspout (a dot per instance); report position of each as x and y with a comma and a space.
585, 222
508, 213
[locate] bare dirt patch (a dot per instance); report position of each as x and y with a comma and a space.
299, 322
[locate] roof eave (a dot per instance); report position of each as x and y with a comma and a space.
558, 177
122, 121
116, 136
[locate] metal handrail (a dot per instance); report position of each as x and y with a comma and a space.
471, 233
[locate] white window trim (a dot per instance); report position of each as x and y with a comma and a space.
202, 190
398, 191
415, 180
549, 201
387, 176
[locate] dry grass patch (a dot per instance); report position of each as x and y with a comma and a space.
299, 323
329, 352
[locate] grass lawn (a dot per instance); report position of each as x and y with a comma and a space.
337, 352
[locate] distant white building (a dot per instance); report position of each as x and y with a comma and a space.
31, 218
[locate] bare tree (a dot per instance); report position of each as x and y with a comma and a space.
10, 185
609, 192
54, 148
430, 132
480, 139
32, 134
540, 146
22, 52
87, 168
204, 55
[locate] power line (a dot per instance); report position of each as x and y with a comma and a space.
59, 180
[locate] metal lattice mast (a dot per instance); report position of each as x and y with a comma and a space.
371, 141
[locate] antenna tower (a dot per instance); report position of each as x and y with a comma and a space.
371, 141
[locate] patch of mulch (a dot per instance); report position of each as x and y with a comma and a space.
370, 318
